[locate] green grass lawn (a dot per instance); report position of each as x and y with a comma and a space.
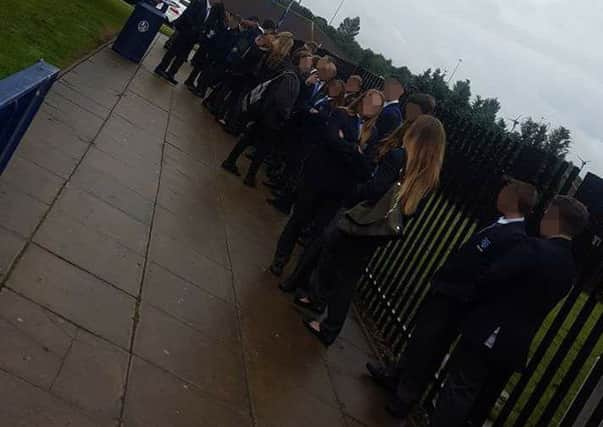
58, 31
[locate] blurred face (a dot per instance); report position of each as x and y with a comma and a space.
392, 90
371, 105
352, 86
412, 112
507, 202
326, 70
549, 226
264, 41
305, 64
334, 90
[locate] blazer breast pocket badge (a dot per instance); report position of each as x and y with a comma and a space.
484, 245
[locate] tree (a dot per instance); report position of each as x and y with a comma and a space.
534, 134
559, 141
433, 83
502, 124
350, 28
485, 110
461, 92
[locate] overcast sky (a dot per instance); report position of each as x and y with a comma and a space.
540, 58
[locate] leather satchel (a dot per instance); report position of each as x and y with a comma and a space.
381, 219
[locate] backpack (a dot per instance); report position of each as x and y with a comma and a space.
253, 100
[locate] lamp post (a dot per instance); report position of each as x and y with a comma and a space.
336, 11
458, 64
285, 13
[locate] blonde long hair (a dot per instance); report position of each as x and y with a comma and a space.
356, 108
281, 48
425, 145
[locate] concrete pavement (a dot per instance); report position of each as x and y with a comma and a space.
132, 274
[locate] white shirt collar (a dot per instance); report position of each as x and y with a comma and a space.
505, 221
208, 9
388, 103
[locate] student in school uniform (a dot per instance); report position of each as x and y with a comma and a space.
353, 88
513, 298
391, 116
215, 65
301, 145
276, 107
316, 85
390, 156
312, 93
242, 60
452, 293
334, 169
189, 26
347, 249
213, 30
416, 105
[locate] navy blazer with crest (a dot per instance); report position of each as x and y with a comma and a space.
515, 296
389, 120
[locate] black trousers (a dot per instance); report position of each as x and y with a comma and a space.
200, 63
341, 264
311, 207
216, 99
260, 137
239, 86
471, 373
306, 264
437, 326
177, 53
211, 76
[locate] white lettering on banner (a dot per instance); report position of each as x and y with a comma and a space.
143, 26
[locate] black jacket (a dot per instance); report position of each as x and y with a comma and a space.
459, 276
517, 293
337, 166
280, 96
389, 120
245, 54
191, 23
221, 44
385, 175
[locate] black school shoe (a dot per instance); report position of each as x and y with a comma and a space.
382, 376
326, 341
316, 308
280, 205
288, 286
231, 167
276, 268
398, 409
249, 181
